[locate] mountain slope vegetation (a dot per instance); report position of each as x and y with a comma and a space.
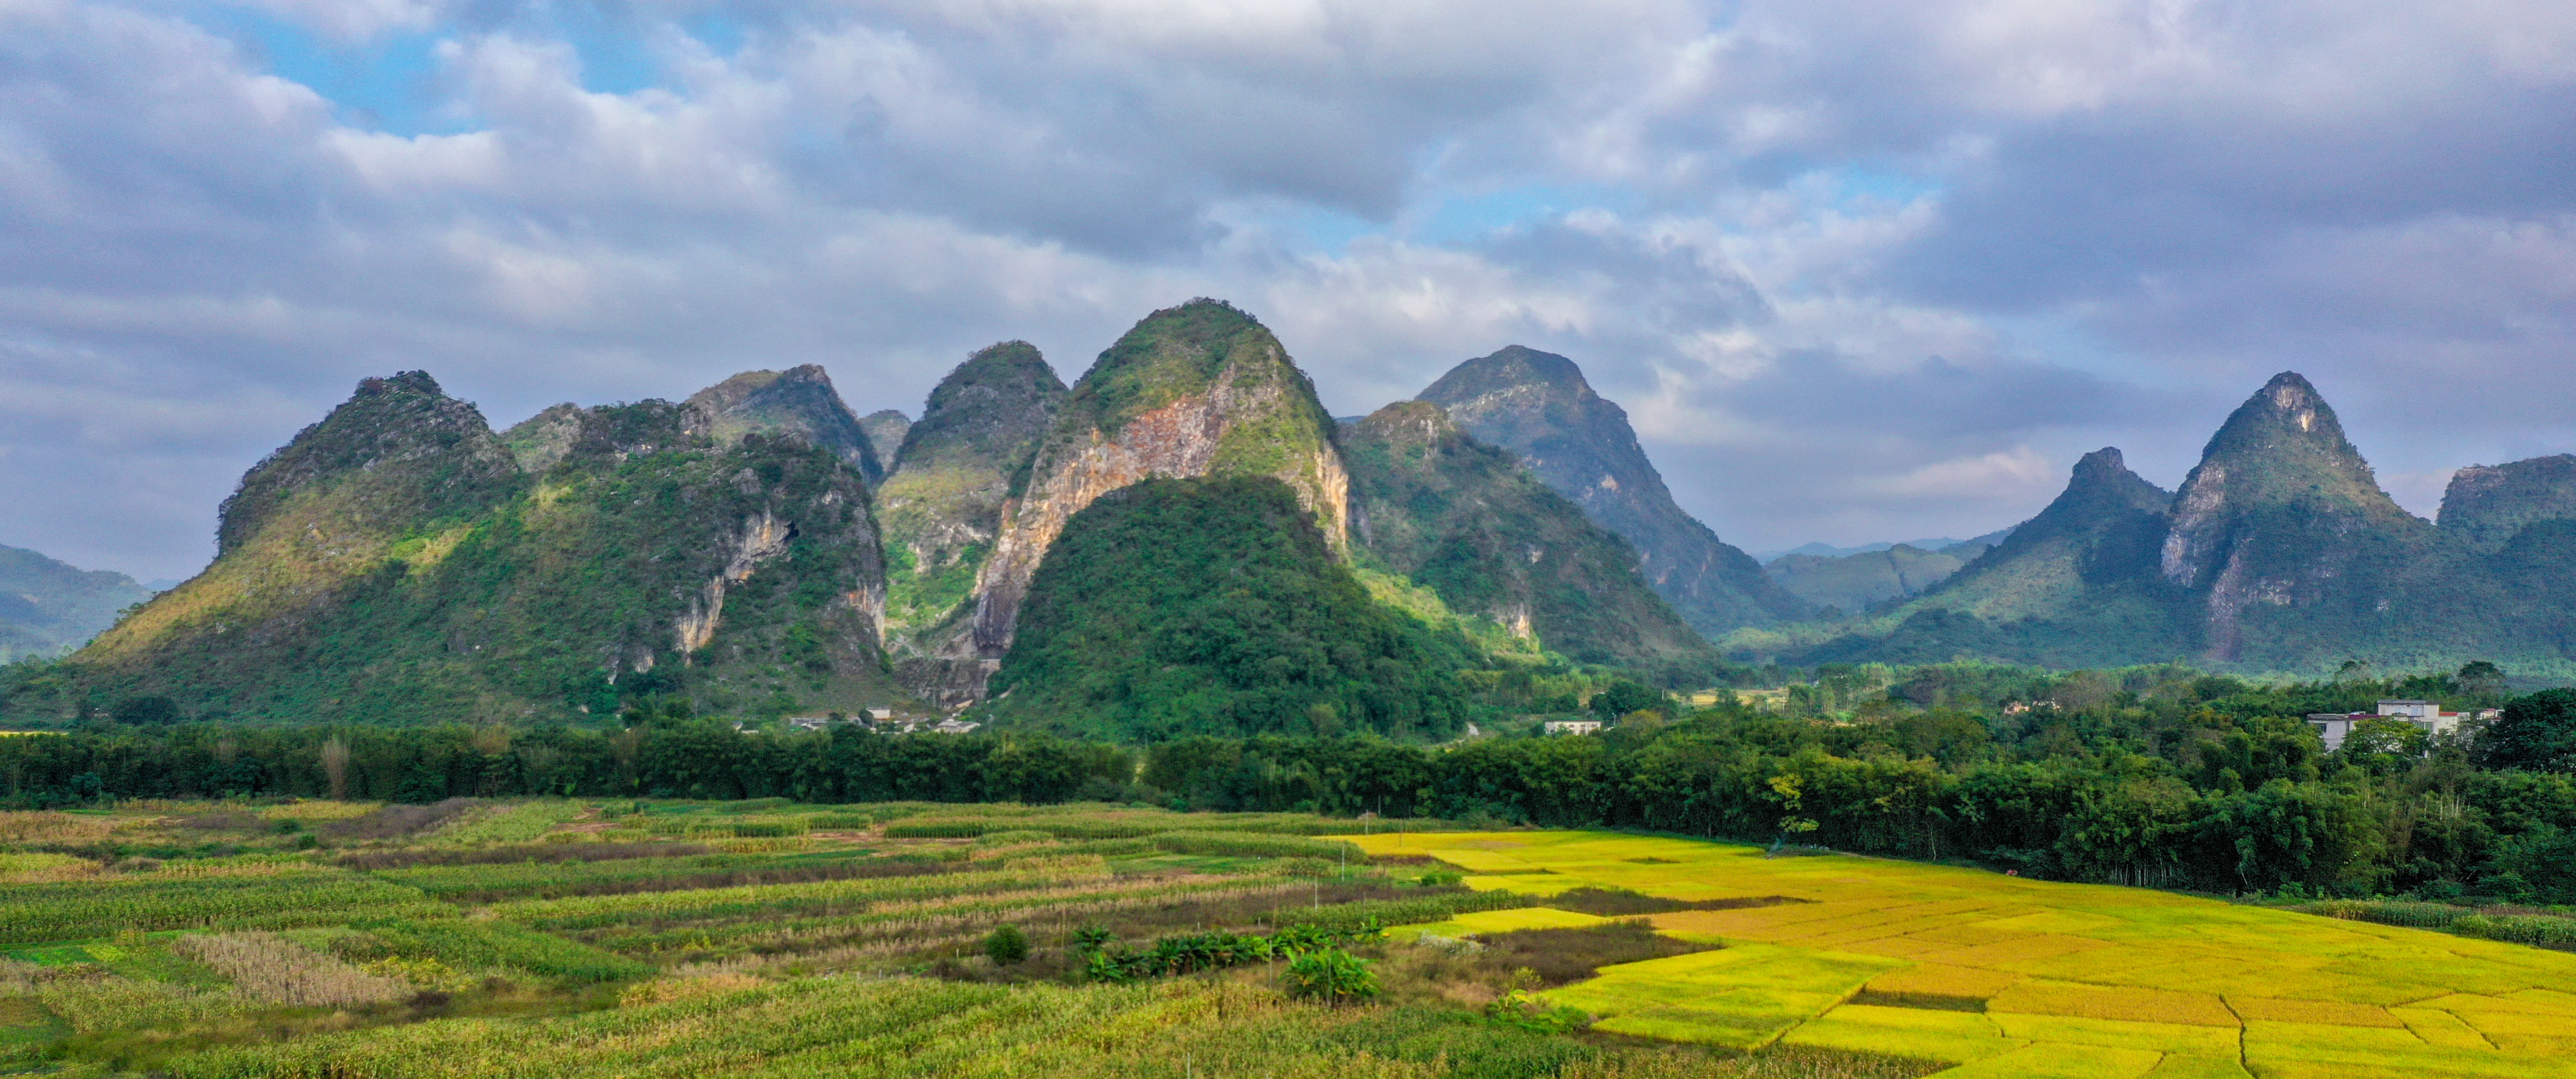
1465, 520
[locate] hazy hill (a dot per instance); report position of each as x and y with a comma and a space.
942, 510
47, 607
1468, 522
398, 561
1537, 405
885, 429
1855, 582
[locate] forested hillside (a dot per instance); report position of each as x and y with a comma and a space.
1176, 607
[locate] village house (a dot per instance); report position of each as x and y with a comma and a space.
2334, 727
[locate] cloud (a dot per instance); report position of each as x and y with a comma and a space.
1858, 270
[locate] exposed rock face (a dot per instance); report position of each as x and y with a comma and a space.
2280, 511
885, 429
2488, 505
1195, 390
799, 401
1465, 520
396, 562
1537, 405
942, 510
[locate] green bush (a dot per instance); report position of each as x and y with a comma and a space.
1331, 975
1006, 945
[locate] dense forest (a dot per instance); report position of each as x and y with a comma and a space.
2158, 776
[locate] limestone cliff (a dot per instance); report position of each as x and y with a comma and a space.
942, 510
1196, 390
2281, 512
798, 402
1539, 406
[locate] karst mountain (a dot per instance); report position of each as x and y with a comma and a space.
2280, 552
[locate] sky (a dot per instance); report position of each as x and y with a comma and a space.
1858, 271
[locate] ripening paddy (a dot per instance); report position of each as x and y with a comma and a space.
2004, 976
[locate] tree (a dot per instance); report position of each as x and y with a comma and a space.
2536, 733
145, 711
2481, 679
1330, 975
335, 766
1006, 945
1623, 697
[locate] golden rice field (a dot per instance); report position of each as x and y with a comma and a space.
2008, 977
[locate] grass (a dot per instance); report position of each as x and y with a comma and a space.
2011, 976
273, 968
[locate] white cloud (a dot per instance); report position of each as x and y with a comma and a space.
1858, 270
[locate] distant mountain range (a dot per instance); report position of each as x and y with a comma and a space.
1827, 550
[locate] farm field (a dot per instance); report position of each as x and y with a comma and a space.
2002, 976
765, 938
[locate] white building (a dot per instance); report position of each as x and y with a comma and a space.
2426, 716
1573, 726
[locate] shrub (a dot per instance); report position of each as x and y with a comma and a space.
1331, 975
1006, 945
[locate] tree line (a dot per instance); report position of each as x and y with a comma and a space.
2152, 777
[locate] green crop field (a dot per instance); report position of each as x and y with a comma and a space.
566, 937
2003, 976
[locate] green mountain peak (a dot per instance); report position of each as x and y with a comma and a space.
400, 447
1539, 406
798, 402
1201, 389
2280, 454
